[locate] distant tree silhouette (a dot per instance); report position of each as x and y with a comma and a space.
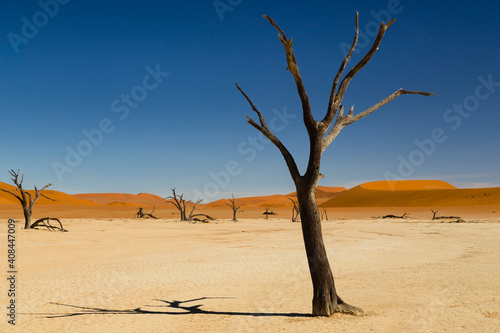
321, 134
181, 204
141, 215
234, 207
295, 210
24, 197
324, 214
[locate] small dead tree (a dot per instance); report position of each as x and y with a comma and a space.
24, 197
324, 214
234, 207
321, 134
434, 217
295, 210
181, 204
268, 212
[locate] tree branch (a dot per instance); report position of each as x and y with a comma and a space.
309, 121
343, 121
176, 203
232, 204
332, 108
192, 210
347, 79
13, 194
292, 166
37, 194
383, 102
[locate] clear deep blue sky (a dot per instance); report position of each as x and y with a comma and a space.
71, 70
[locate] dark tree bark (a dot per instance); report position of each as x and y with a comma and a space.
25, 198
234, 207
321, 134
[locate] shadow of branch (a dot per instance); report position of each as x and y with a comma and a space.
167, 308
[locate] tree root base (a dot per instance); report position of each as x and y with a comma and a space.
328, 310
348, 309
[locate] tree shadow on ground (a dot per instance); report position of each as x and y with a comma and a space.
168, 308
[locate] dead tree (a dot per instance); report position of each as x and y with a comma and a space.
295, 210
24, 197
141, 215
324, 214
390, 216
321, 134
434, 217
234, 207
45, 222
181, 204
194, 218
268, 212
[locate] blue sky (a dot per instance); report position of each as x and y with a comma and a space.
128, 96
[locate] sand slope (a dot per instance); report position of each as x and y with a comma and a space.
413, 194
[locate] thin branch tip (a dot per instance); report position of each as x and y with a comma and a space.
281, 35
390, 23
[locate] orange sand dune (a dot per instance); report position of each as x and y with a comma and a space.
323, 193
413, 193
59, 197
407, 185
6, 198
264, 201
123, 199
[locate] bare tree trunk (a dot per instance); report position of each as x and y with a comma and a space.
27, 217
234, 206
24, 197
295, 210
325, 299
321, 135
180, 203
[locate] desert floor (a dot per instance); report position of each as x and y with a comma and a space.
126, 275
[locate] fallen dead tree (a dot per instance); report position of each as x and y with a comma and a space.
454, 221
45, 222
434, 217
141, 215
394, 216
206, 219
